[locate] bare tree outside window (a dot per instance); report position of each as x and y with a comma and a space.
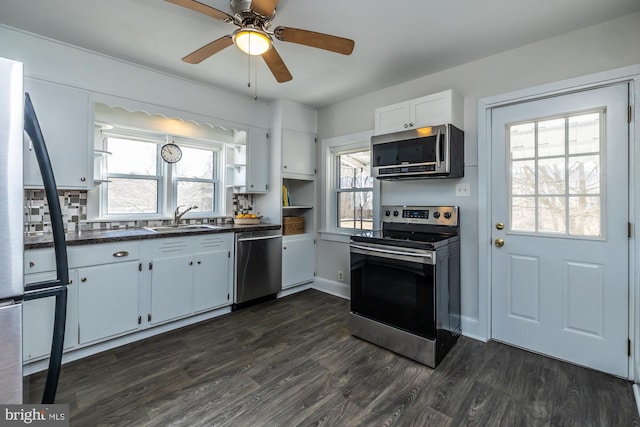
132, 171
196, 179
556, 176
354, 190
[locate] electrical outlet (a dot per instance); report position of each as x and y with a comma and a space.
341, 275
463, 190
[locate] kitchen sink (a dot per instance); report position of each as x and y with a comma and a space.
174, 228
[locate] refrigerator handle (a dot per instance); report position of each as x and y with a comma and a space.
32, 128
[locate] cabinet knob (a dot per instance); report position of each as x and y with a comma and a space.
84, 279
32, 264
190, 262
120, 254
284, 247
199, 262
285, 166
251, 185
70, 282
83, 179
406, 125
411, 124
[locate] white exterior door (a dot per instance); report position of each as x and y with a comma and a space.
560, 217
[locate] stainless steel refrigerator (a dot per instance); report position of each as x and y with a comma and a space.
18, 120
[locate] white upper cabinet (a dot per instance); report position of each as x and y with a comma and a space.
436, 109
65, 118
257, 160
298, 152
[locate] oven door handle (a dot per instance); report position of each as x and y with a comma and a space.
387, 253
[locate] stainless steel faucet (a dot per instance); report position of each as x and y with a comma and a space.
177, 216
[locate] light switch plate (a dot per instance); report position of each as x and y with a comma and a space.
463, 190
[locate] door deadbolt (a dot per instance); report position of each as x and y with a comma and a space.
499, 243
499, 226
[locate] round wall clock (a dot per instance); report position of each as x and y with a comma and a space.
171, 153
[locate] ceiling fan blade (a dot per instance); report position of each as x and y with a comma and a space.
276, 65
206, 51
264, 7
203, 8
313, 39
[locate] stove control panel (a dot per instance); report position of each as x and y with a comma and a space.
436, 215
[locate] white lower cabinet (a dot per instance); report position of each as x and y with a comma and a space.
298, 260
212, 279
107, 300
37, 320
117, 289
188, 275
171, 288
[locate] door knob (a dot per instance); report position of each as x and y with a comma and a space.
499, 243
499, 226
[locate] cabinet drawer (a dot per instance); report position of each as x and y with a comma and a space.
39, 260
105, 253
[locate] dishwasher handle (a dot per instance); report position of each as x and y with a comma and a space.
248, 239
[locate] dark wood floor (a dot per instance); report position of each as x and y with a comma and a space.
293, 362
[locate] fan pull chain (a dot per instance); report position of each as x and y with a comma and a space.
249, 67
255, 86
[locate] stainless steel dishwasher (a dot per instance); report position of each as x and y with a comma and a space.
258, 272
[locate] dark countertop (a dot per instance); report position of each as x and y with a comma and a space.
45, 240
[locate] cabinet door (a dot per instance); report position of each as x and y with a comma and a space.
257, 161
171, 288
298, 152
431, 110
107, 300
298, 260
211, 280
37, 321
64, 117
392, 118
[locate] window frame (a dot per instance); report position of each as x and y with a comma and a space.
217, 149
566, 234
160, 177
337, 153
355, 142
166, 177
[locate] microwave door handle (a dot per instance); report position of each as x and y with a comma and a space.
438, 149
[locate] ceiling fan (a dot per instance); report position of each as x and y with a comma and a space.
254, 37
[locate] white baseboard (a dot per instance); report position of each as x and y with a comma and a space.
471, 329
636, 394
339, 289
294, 290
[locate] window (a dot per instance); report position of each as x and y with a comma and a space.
195, 182
354, 190
556, 175
134, 176
141, 185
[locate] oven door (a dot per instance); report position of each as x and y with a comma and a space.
394, 286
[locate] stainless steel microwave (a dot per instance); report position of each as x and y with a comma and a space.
426, 152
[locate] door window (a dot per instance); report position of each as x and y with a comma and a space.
556, 175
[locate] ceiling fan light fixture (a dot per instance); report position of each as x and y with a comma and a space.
252, 41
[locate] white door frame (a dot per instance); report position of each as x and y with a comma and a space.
485, 106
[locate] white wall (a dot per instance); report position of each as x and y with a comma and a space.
61, 63
602, 47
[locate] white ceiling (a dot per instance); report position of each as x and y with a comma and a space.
395, 41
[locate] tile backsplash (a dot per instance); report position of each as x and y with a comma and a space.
36, 210
73, 204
